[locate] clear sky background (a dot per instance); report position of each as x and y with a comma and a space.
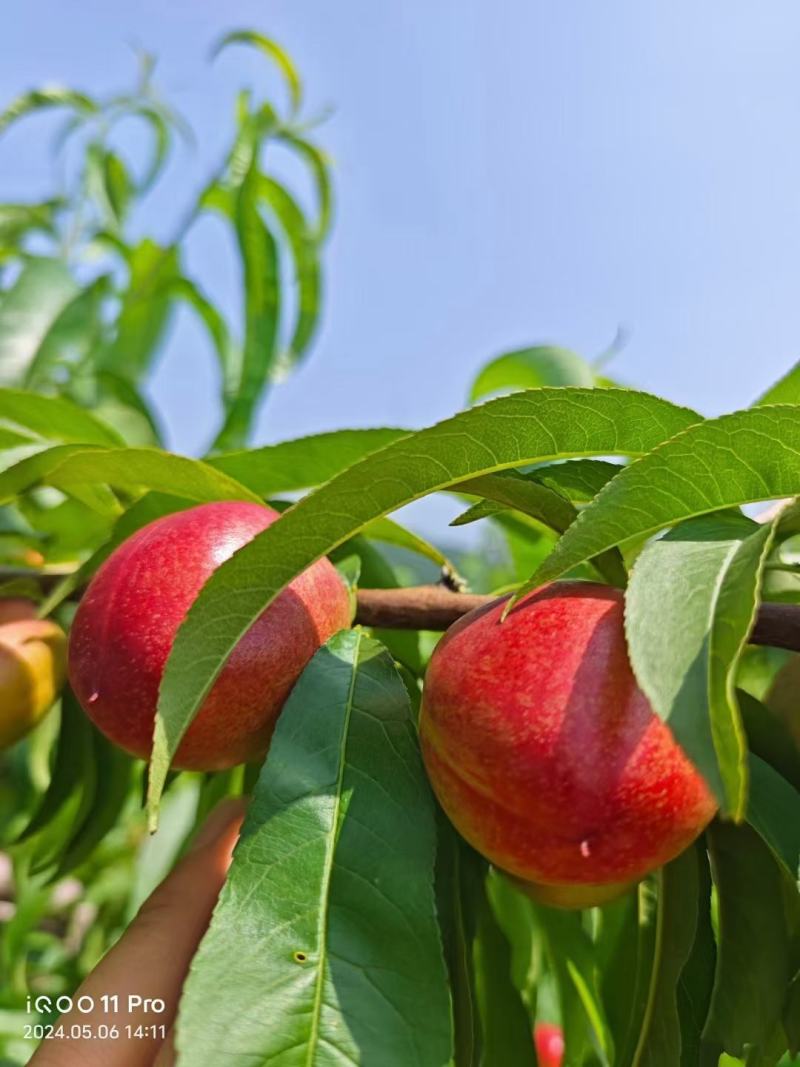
508, 172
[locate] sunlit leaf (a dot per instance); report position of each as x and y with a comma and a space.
785, 391
721, 463
531, 368
262, 298
146, 509
303, 462
227, 351
345, 940
525, 428
548, 506
273, 52
45, 98
17, 220
144, 312
53, 418
74, 334
27, 313
319, 166
305, 254
689, 608
121, 403
71, 466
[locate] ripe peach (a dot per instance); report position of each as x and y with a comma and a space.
127, 620
545, 754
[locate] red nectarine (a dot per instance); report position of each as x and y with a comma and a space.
546, 755
127, 620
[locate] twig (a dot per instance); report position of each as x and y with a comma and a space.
434, 607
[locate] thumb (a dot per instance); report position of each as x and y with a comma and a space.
142, 976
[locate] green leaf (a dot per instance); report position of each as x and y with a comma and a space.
344, 941
74, 335
791, 1016
70, 793
624, 941
531, 368
457, 922
274, 53
696, 981
377, 573
305, 255
18, 220
548, 506
28, 311
689, 608
113, 772
774, 812
769, 738
262, 309
785, 391
108, 184
754, 957
228, 354
721, 463
304, 462
319, 166
659, 1042
53, 418
46, 97
392, 533
505, 1023
69, 466
524, 428
145, 309
572, 960
491, 1022
578, 480
120, 402
146, 509
160, 119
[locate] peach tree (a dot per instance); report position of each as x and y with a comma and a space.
357, 925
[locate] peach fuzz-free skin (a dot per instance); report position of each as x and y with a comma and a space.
545, 754
128, 618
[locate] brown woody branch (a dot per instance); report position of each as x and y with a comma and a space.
434, 607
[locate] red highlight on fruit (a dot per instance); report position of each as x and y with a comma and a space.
549, 1042
547, 756
127, 621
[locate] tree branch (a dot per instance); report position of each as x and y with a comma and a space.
434, 607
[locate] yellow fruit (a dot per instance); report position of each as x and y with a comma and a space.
32, 668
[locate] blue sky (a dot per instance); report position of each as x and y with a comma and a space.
507, 173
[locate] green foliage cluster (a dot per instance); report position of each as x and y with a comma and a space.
356, 926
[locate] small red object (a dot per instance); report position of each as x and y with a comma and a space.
549, 1041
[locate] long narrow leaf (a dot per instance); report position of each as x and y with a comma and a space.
329, 907
689, 609
721, 463
524, 428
